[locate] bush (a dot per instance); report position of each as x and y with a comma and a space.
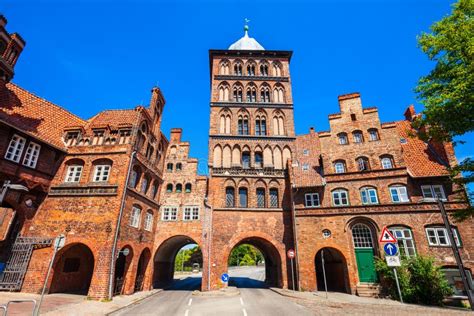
421, 281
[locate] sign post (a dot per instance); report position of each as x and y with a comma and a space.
391, 255
291, 254
58, 243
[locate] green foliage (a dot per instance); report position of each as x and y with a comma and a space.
186, 258
245, 255
447, 92
421, 281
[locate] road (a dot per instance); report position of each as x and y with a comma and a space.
252, 300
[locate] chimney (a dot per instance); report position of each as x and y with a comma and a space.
410, 113
311, 130
175, 136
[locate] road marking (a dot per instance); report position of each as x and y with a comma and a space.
190, 301
241, 301
245, 312
186, 313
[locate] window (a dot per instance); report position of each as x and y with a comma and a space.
98, 138
363, 164
124, 136
134, 177
258, 160
187, 188
243, 197
386, 163
149, 221
353, 117
340, 197
153, 190
358, 138
342, 139
369, 196
306, 152
245, 160
238, 69
243, 126
260, 197
265, 94
71, 138
362, 236
71, 265
179, 188
169, 167
229, 197
311, 199
32, 154
264, 70
273, 197
170, 213
399, 194
251, 70
73, 174
455, 281
15, 148
438, 236
305, 167
101, 173
373, 134
431, 192
260, 126
252, 94
144, 186
169, 188
135, 217
405, 240
339, 167
191, 213
238, 94
179, 166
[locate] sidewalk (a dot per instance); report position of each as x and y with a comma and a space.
69, 304
342, 304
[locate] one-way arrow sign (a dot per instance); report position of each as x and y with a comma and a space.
390, 249
386, 236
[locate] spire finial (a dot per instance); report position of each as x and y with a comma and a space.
246, 26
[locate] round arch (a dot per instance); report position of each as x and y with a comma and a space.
335, 270
73, 270
163, 260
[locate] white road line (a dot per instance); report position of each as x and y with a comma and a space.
186, 313
190, 301
245, 312
241, 302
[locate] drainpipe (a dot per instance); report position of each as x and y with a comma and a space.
117, 230
209, 241
295, 234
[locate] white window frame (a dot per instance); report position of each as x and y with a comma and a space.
101, 173
73, 172
15, 148
358, 138
403, 196
148, 226
343, 137
190, 213
432, 190
339, 192
373, 135
340, 165
135, 217
169, 213
435, 230
312, 200
305, 167
32, 155
384, 164
367, 191
403, 235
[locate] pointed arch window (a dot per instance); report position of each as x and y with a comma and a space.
237, 94
252, 94
258, 159
278, 95
265, 94
264, 70
238, 69
243, 125
274, 197
229, 197
246, 160
224, 68
260, 197
224, 92
260, 126
243, 197
251, 70
277, 70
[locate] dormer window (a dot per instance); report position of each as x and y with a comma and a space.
71, 138
98, 138
125, 136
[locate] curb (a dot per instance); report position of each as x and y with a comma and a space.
134, 303
217, 293
287, 295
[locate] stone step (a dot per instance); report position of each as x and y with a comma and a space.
368, 290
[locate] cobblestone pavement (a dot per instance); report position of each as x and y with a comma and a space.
343, 304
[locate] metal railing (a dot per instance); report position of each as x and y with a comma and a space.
5, 307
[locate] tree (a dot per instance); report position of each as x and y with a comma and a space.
245, 255
447, 92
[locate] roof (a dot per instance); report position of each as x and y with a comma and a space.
421, 159
113, 118
35, 116
246, 43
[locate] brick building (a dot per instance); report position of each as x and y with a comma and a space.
127, 199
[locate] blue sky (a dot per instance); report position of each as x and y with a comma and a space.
89, 56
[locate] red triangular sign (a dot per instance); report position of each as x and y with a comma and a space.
386, 236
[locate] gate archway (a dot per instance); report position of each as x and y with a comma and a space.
73, 270
141, 269
335, 268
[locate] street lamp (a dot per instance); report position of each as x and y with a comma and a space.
455, 249
7, 185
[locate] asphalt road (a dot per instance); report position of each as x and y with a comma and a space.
253, 299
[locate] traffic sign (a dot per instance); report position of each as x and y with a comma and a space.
390, 249
225, 277
386, 236
393, 261
290, 253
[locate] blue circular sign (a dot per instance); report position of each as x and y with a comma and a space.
390, 249
225, 277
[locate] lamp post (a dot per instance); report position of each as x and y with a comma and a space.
457, 256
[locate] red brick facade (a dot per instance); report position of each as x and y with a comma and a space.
127, 199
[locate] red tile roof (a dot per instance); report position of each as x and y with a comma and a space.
421, 159
34, 115
113, 118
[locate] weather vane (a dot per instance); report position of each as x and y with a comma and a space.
246, 26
